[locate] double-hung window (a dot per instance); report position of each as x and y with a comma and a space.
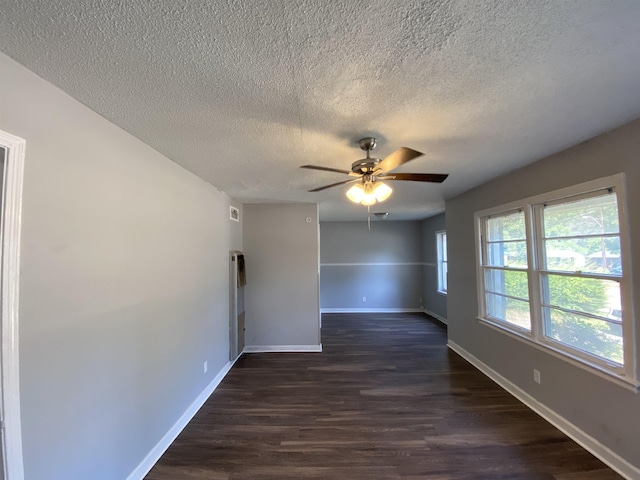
554, 270
504, 269
580, 274
441, 241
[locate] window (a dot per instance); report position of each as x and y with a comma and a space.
441, 241
580, 274
552, 270
504, 266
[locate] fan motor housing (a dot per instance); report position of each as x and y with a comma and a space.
365, 165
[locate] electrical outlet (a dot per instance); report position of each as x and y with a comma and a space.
205, 366
536, 376
364, 299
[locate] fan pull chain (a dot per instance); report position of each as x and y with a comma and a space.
369, 216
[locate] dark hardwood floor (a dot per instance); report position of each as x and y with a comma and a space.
385, 400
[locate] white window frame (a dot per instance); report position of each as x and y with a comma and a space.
625, 374
441, 239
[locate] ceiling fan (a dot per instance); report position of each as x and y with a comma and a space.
369, 188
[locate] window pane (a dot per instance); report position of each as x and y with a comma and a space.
444, 276
597, 337
589, 216
592, 255
509, 254
506, 227
589, 295
444, 247
509, 310
507, 282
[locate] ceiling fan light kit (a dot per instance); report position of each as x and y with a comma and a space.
369, 190
382, 191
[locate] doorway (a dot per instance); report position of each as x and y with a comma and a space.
237, 281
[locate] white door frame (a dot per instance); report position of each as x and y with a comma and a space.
10, 244
233, 305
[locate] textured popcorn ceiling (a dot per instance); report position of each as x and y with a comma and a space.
241, 93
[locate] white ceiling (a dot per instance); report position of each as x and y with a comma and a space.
242, 93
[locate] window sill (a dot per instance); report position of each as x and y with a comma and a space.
620, 380
442, 293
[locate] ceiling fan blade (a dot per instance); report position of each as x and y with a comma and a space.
397, 158
319, 189
326, 169
417, 177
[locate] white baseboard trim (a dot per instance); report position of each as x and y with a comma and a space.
608, 456
165, 442
436, 316
282, 348
371, 310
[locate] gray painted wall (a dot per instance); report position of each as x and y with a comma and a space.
384, 265
434, 301
281, 253
124, 286
602, 409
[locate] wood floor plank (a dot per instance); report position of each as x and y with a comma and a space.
386, 399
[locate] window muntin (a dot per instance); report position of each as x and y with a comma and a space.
587, 228
441, 242
508, 226
507, 254
590, 335
576, 236
506, 240
508, 283
563, 255
508, 310
582, 216
593, 296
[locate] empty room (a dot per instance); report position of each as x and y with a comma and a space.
327, 240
